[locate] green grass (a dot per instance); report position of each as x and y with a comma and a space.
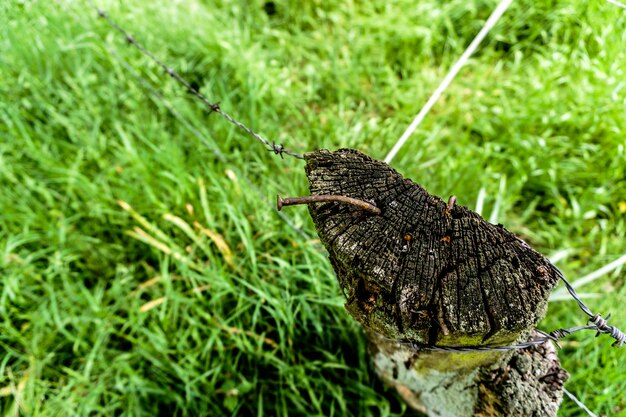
193, 297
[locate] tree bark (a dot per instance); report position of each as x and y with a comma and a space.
427, 273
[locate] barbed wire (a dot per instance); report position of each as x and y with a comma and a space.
595, 322
600, 324
220, 155
143, 82
213, 107
553, 336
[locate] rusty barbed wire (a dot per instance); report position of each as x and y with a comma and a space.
213, 107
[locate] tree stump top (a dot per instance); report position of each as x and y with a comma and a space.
423, 270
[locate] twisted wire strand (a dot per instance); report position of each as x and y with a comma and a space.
596, 320
553, 336
213, 107
189, 126
220, 155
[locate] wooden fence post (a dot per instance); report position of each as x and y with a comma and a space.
424, 273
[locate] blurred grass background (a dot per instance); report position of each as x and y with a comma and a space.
143, 274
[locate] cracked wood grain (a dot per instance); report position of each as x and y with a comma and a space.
428, 271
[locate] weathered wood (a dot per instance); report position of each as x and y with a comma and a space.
435, 274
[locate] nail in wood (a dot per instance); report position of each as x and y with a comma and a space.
363, 205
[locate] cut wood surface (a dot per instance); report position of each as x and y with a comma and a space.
424, 272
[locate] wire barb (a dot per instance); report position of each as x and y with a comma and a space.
213, 107
595, 321
277, 149
152, 92
603, 327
